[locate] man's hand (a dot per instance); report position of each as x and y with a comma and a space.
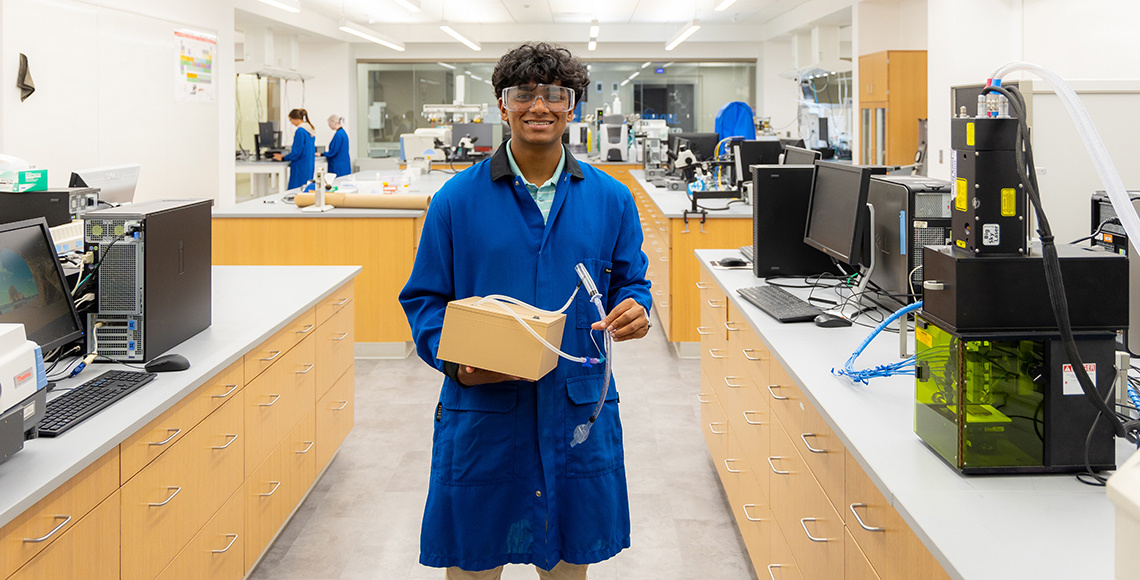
627, 320
471, 376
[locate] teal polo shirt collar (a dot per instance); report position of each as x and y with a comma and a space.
546, 188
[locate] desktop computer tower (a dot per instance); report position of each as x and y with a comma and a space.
780, 197
1112, 237
153, 277
910, 212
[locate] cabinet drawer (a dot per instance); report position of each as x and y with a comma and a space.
333, 303
300, 450
856, 566
89, 550
167, 503
276, 485
783, 565
53, 515
812, 527
278, 345
335, 417
276, 400
884, 538
217, 551
161, 434
713, 423
334, 346
749, 505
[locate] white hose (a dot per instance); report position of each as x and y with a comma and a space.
1097, 152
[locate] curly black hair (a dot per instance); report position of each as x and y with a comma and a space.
541, 62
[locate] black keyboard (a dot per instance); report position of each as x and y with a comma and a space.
779, 303
746, 251
85, 400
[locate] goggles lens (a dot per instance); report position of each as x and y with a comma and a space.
557, 99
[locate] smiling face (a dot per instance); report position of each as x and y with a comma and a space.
537, 126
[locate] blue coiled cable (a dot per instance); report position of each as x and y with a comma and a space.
902, 367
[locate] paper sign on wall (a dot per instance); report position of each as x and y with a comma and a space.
194, 79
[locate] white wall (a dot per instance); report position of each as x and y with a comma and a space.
327, 92
890, 25
104, 72
779, 96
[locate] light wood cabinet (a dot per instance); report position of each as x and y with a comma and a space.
217, 552
892, 99
277, 399
50, 518
782, 565
85, 551
334, 417
334, 342
278, 345
856, 566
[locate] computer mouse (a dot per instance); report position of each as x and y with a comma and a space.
732, 262
829, 320
166, 363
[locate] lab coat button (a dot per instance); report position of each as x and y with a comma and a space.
538, 494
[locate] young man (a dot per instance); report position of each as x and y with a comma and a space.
506, 486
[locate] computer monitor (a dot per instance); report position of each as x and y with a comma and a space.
800, 156
703, 145
746, 153
837, 214
33, 290
116, 184
267, 135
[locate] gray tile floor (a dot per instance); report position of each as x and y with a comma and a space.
363, 518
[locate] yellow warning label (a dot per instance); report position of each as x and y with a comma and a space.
923, 337
960, 197
970, 134
1008, 202
961, 243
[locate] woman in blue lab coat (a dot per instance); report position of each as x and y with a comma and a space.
506, 486
337, 153
302, 155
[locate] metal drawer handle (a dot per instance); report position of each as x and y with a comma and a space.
342, 336
746, 515
715, 431
770, 574
306, 449
270, 403
233, 538
663, 304
341, 302
773, 466
703, 331
276, 353
306, 371
225, 394
803, 522
731, 470
663, 259
804, 437
276, 484
703, 401
658, 293
231, 436
730, 328
343, 404
750, 421
307, 328
176, 489
705, 287
712, 350
173, 433
748, 350
66, 519
772, 390
863, 524
730, 385
713, 303
660, 250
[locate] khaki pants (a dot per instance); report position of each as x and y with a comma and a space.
563, 571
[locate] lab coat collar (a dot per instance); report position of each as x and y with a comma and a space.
501, 166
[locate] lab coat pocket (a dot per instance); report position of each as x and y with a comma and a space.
602, 452
586, 313
475, 435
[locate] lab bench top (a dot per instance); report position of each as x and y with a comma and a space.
274, 206
978, 527
674, 203
250, 304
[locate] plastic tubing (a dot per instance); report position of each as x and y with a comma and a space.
581, 432
500, 300
1109, 177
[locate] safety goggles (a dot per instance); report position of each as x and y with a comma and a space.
557, 99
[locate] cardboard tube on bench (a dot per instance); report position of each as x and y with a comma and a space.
369, 201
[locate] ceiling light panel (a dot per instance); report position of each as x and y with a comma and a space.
409, 5
370, 35
461, 37
293, 6
683, 34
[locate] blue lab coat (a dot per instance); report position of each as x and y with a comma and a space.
337, 154
506, 487
302, 156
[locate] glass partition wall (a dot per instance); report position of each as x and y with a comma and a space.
391, 95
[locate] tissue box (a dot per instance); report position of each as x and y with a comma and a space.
487, 337
20, 181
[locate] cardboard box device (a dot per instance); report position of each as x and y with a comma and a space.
486, 337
